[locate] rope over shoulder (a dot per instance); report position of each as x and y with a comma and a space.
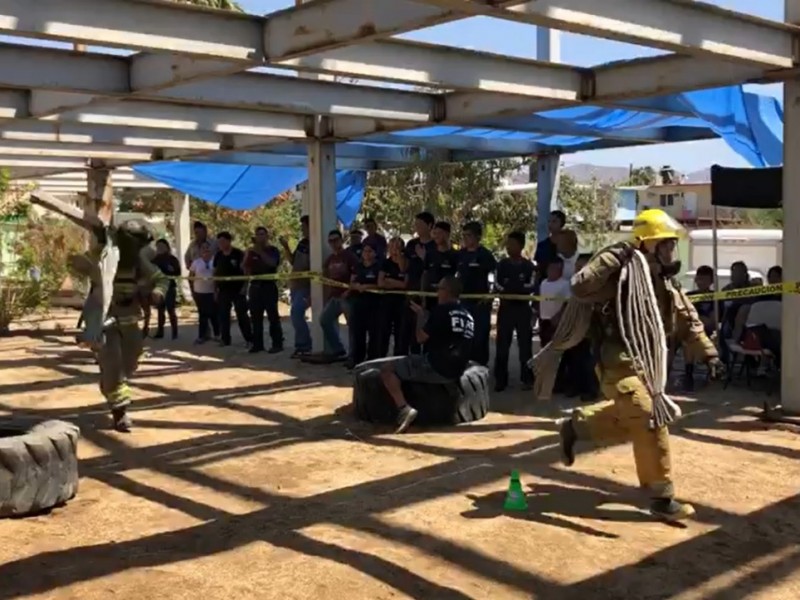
642, 331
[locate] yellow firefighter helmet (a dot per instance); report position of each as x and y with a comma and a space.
655, 224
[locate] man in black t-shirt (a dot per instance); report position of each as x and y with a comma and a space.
447, 332
263, 259
365, 321
440, 262
475, 264
418, 248
356, 245
229, 262
515, 275
416, 251
546, 250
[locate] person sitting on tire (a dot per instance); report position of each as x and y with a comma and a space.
447, 332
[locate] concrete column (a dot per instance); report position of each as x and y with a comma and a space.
305, 203
321, 190
548, 166
548, 44
548, 175
790, 315
182, 228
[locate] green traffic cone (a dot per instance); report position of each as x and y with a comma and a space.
515, 497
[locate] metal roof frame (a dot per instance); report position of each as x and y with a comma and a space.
194, 84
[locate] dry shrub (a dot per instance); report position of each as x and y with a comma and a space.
41, 246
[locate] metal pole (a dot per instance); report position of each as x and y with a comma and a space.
790, 305
546, 171
715, 263
182, 228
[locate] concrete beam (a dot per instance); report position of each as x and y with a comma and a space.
79, 178
267, 159
167, 126
675, 25
613, 84
241, 128
53, 188
291, 94
433, 65
188, 118
694, 28
72, 150
65, 164
32, 172
664, 75
260, 91
102, 75
77, 133
394, 154
233, 42
328, 24
142, 25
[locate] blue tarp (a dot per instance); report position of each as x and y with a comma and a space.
244, 187
751, 124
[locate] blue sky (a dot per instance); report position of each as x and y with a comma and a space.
514, 39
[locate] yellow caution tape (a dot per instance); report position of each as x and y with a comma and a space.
749, 292
269, 277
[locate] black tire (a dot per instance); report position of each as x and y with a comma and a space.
437, 404
38, 466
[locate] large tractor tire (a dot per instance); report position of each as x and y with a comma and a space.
438, 404
38, 466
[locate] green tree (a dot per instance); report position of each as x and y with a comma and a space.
764, 218
641, 176
38, 246
281, 216
589, 208
453, 192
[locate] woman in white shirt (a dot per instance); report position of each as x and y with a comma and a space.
204, 290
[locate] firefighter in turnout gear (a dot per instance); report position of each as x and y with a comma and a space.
119, 267
118, 346
119, 356
629, 304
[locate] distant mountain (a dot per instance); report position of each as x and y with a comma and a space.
581, 173
701, 176
585, 173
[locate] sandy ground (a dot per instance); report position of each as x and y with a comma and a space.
247, 478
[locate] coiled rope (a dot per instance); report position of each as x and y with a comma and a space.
642, 331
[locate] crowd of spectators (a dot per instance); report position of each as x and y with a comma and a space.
408, 274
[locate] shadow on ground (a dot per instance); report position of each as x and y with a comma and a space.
571, 502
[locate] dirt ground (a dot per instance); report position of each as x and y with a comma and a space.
247, 478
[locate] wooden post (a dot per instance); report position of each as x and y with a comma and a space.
99, 194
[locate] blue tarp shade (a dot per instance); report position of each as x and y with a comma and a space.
751, 124
244, 187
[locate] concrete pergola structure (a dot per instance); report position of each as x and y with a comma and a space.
194, 86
